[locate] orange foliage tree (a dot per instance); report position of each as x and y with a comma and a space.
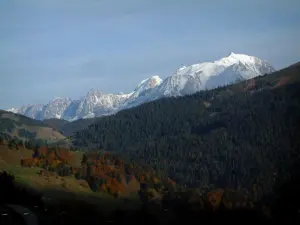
27, 162
215, 197
42, 151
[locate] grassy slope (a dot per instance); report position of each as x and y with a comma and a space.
58, 189
68, 128
26, 128
56, 123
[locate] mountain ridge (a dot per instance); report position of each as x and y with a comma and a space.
186, 80
210, 137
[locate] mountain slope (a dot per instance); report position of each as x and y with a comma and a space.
97, 104
234, 136
55, 108
32, 111
56, 123
24, 128
187, 80
206, 76
69, 128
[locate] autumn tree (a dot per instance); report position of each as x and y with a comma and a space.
27, 162
240, 135
214, 197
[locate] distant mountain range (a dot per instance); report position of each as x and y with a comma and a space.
186, 80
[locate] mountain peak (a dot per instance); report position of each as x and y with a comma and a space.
93, 91
149, 82
234, 58
146, 85
57, 98
13, 110
60, 99
155, 77
187, 79
154, 81
239, 56
231, 54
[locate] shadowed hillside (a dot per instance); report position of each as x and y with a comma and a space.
55, 123
69, 128
175, 209
22, 128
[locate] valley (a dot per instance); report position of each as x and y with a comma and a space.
143, 112
222, 149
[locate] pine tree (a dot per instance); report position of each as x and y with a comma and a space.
10, 144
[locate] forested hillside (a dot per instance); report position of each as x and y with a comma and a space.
230, 137
21, 129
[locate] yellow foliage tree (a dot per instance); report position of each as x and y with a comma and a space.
215, 197
155, 180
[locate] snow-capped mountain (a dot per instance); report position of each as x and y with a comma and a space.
144, 92
186, 80
70, 112
209, 75
55, 108
146, 85
96, 104
32, 111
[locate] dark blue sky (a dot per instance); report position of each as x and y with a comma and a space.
66, 47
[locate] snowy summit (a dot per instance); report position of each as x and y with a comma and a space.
186, 80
